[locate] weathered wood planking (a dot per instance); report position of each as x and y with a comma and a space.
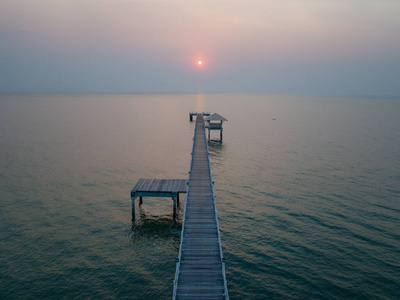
200, 270
160, 186
193, 114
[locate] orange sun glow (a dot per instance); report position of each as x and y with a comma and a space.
199, 62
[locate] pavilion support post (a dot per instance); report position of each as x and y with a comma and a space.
209, 134
140, 200
177, 199
220, 132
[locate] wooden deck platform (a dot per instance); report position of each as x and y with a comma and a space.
200, 269
158, 188
194, 114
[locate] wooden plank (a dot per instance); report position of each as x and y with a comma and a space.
169, 185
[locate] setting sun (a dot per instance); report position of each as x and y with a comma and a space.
199, 62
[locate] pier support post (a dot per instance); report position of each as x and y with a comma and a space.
220, 135
191, 117
174, 210
177, 199
133, 209
140, 200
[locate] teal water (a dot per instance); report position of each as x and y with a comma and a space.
307, 192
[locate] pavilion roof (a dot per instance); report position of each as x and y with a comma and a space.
215, 117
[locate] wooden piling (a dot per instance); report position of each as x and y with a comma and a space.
174, 209
133, 209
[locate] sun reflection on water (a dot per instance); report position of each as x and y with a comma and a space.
200, 102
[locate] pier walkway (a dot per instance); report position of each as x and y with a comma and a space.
200, 267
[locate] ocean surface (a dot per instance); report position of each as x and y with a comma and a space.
307, 191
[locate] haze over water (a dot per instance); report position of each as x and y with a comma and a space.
306, 188
327, 47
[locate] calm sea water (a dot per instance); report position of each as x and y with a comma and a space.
307, 190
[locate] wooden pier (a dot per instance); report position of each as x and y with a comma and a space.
200, 266
194, 114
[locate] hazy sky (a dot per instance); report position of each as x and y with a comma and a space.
282, 46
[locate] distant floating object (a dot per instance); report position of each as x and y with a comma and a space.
273, 119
